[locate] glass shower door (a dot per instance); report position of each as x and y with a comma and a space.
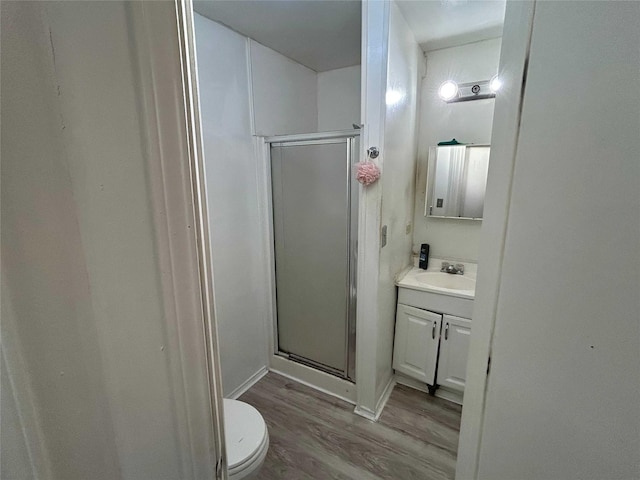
313, 251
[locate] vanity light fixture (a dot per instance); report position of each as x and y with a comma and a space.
451, 92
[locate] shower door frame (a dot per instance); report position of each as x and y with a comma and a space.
349, 137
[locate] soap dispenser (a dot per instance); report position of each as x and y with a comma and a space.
424, 256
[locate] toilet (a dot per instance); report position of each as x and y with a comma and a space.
247, 439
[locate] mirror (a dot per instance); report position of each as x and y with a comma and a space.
457, 181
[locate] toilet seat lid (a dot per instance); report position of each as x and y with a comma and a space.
244, 432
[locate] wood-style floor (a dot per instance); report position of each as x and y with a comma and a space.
316, 436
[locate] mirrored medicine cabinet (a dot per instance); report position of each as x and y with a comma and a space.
457, 181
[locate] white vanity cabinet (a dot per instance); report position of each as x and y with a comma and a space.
433, 330
416, 343
454, 349
431, 347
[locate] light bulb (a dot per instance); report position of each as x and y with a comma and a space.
495, 84
448, 90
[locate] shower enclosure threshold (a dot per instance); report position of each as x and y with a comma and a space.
314, 378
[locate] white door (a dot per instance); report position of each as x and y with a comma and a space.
454, 349
416, 343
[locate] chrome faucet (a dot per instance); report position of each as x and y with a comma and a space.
457, 269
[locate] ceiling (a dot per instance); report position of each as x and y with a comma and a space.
320, 34
325, 34
447, 23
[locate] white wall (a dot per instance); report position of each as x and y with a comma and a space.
291, 98
17, 463
45, 289
232, 191
404, 69
90, 350
339, 99
392, 128
285, 93
563, 396
468, 122
375, 41
247, 89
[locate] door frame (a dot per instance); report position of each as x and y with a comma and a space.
191, 145
513, 64
514, 58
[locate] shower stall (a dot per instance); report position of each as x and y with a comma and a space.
315, 214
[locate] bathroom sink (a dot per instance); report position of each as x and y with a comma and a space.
446, 280
435, 281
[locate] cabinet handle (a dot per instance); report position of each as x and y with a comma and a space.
433, 331
446, 332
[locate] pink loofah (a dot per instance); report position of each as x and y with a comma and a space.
368, 172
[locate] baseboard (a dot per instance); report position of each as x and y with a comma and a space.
366, 413
441, 392
384, 398
412, 383
321, 381
250, 382
455, 397
382, 402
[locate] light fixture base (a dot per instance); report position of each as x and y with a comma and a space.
473, 91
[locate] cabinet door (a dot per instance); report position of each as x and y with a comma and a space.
416, 343
454, 349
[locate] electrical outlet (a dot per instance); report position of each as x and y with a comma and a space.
407, 229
